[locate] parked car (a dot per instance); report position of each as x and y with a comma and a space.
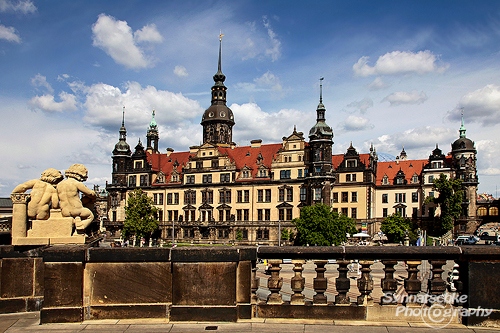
466, 240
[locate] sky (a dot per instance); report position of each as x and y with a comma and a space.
396, 74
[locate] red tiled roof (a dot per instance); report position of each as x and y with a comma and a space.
337, 160
247, 156
409, 167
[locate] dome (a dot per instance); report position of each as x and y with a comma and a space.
462, 144
218, 112
122, 147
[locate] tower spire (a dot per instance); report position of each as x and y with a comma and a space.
462, 126
320, 111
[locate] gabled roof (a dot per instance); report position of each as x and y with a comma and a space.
247, 156
409, 167
339, 158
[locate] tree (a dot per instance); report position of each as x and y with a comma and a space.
140, 215
395, 226
319, 225
449, 200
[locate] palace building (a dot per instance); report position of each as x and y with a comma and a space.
220, 192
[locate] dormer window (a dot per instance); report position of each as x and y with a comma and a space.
414, 179
160, 179
385, 180
351, 163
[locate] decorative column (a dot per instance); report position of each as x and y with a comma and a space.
274, 283
297, 282
19, 214
342, 283
436, 285
255, 283
388, 283
365, 283
320, 282
412, 284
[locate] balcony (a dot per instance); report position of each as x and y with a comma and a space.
371, 284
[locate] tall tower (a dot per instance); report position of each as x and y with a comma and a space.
121, 156
464, 167
152, 135
320, 176
218, 119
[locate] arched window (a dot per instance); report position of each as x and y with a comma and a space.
494, 211
482, 211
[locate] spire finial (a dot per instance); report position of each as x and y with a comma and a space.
123, 117
220, 49
462, 125
321, 89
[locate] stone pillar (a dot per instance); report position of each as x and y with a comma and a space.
342, 283
297, 282
388, 283
436, 285
412, 284
19, 214
320, 282
274, 283
365, 283
255, 283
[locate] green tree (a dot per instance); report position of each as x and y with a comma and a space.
319, 225
395, 226
140, 215
449, 200
239, 235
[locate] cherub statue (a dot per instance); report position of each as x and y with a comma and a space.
43, 194
69, 198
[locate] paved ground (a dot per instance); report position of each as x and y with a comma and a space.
29, 322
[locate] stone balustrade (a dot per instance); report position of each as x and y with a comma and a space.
76, 283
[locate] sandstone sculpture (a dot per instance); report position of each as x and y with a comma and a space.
58, 215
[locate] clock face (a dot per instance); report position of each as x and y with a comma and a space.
211, 114
222, 114
231, 117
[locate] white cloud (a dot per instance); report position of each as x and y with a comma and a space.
267, 82
148, 33
488, 152
418, 141
481, 106
9, 34
400, 62
41, 81
49, 104
402, 97
362, 105
254, 123
23, 6
115, 37
377, 84
180, 71
275, 50
104, 106
355, 123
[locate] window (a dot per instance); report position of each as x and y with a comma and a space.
351, 163
215, 164
155, 198
160, 198
285, 214
400, 197
190, 198
289, 194
414, 197
285, 174
246, 174
414, 179
385, 180
199, 165
345, 196
190, 179
354, 196
262, 234
300, 173
350, 177
225, 177
239, 215
354, 213
317, 194
431, 179
384, 212
303, 194
224, 196
260, 195
169, 198
267, 214
268, 195
239, 196
207, 179
132, 181
137, 164
415, 212
401, 211
262, 173
259, 214
431, 194
385, 198
335, 197
246, 196
281, 194
207, 196
175, 178
344, 211
246, 214
176, 198
436, 165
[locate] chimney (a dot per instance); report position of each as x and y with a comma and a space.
170, 151
256, 143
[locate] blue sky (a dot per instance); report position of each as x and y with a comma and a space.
397, 73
